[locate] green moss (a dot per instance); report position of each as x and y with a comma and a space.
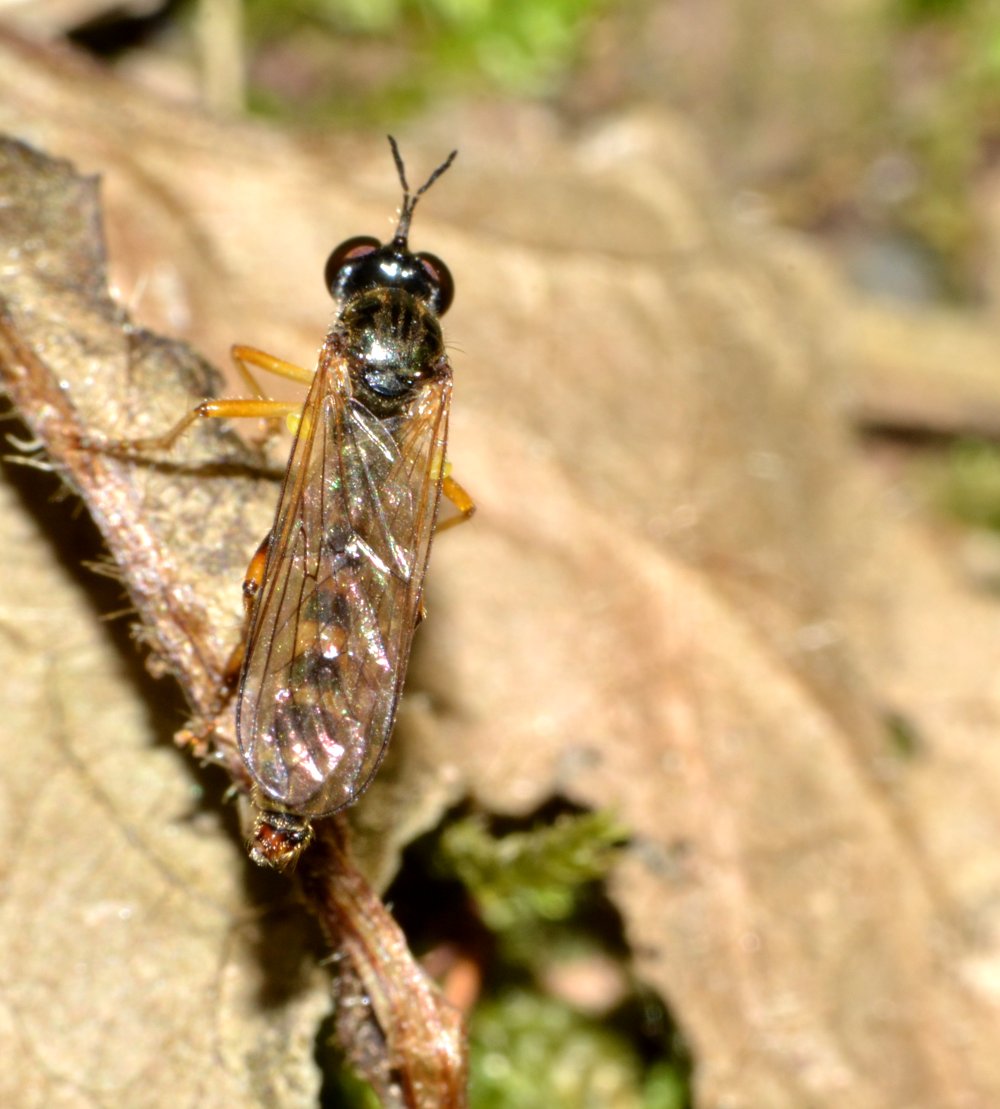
967, 486
538, 892
956, 94
919, 10
533, 1052
528, 876
423, 48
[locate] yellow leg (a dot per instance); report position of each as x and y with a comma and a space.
254, 577
245, 357
466, 507
207, 410
459, 498
257, 407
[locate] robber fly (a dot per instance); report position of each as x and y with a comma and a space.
334, 592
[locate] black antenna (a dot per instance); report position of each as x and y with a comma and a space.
410, 202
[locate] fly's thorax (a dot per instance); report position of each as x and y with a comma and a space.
393, 343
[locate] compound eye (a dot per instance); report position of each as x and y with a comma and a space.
440, 275
349, 251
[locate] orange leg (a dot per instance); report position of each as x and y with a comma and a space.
460, 498
466, 506
245, 357
257, 407
255, 573
208, 410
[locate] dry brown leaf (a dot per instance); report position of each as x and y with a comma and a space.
131, 972
683, 596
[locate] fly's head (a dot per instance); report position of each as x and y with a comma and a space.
390, 302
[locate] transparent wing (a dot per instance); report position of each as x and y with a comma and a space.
330, 633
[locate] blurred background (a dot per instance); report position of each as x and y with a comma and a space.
871, 125
868, 131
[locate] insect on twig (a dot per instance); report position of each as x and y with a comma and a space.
333, 593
